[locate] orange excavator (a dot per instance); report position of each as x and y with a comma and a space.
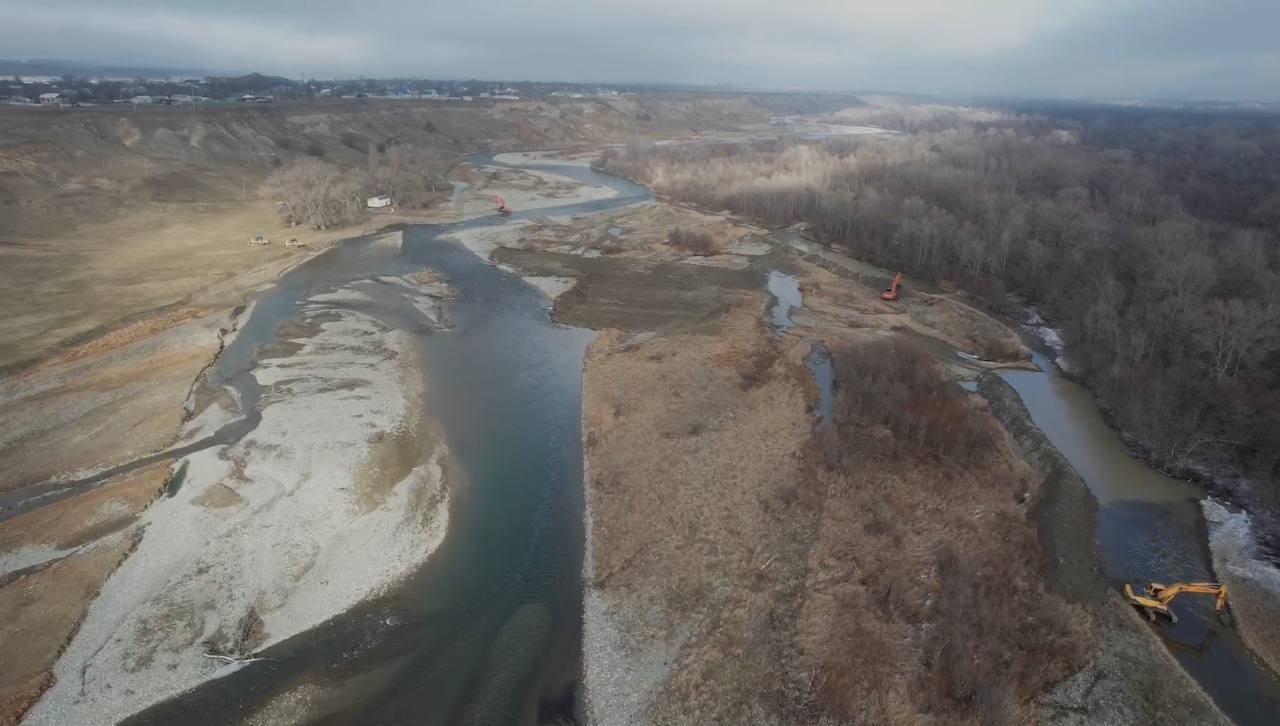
502, 205
1156, 598
892, 292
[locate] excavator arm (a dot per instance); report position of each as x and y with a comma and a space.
892, 292
1166, 593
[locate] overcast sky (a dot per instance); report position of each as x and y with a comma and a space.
1207, 49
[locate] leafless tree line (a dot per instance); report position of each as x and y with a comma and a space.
320, 194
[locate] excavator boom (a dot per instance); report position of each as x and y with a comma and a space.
892, 292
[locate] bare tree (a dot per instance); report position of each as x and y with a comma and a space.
314, 193
1235, 332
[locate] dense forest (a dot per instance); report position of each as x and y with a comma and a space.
1149, 239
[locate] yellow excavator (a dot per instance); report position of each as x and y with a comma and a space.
1157, 597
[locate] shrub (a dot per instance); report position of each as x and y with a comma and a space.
694, 242
938, 613
896, 384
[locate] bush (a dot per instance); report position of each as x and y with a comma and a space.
896, 384
694, 242
940, 614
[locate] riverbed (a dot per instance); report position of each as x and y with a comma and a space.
489, 630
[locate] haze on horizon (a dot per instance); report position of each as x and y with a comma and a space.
1201, 49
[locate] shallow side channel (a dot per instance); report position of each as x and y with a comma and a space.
1150, 529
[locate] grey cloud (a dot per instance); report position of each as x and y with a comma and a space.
1224, 49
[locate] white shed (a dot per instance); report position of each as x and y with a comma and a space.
379, 201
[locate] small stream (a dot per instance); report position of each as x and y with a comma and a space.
785, 289
1150, 529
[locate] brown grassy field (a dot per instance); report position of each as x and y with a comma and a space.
883, 572
924, 602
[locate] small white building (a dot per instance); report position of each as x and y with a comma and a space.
141, 100
51, 99
379, 202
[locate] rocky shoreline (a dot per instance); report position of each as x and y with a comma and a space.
1252, 580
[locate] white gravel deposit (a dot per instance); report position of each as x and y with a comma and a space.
1252, 579
552, 287
25, 557
482, 241
566, 191
534, 158
1235, 548
281, 525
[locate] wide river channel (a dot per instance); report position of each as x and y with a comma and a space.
488, 632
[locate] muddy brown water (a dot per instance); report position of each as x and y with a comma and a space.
1151, 529
489, 630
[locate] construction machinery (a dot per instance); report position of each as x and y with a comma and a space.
502, 205
891, 293
1155, 600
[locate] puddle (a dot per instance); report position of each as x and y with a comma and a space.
818, 361
786, 294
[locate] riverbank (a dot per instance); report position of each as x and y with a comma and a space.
641, 654
694, 445
1131, 676
1252, 580
712, 560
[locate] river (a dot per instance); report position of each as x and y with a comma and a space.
489, 630
1151, 529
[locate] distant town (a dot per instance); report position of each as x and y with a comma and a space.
83, 89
